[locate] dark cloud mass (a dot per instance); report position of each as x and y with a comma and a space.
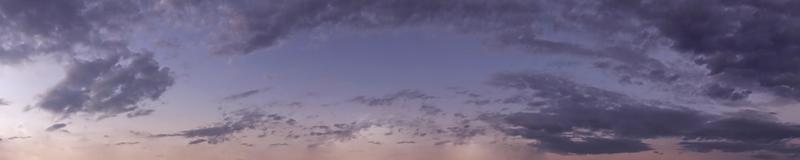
33, 27
746, 47
264, 23
581, 119
738, 41
108, 86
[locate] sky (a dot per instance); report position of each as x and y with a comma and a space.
399, 79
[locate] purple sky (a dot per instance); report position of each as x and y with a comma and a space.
399, 79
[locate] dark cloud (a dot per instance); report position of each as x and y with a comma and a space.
263, 24
4, 102
234, 123
126, 143
56, 127
139, 113
249, 119
430, 110
739, 40
618, 124
198, 141
390, 99
441, 143
108, 86
764, 156
789, 149
244, 94
718, 91
340, 131
593, 145
31, 27
19, 137
279, 144
746, 130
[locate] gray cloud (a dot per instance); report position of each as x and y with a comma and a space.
244, 94
126, 143
764, 156
19, 137
31, 27
718, 91
139, 113
262, 24
237, 122
736, 40
198, 141
234, 122
430, 110
4, 102
389, 99
108, 86
618, 124
791, 150
740, 40
56, 127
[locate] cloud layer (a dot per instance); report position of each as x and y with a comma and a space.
577, 119
108, 86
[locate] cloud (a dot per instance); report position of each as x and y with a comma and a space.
56, 127
618, 124
738, 41
764, 156
741, 40
198, 141
126, 143
389, 99
4, 102
139, 113
789, 149
430, 110
33, 27
108, 86
19, 137
263, 24
244, 94
238, 122
234, 122
718, 91
340, 131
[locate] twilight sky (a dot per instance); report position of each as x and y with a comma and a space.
399, 79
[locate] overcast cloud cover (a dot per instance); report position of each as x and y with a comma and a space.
365, 79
